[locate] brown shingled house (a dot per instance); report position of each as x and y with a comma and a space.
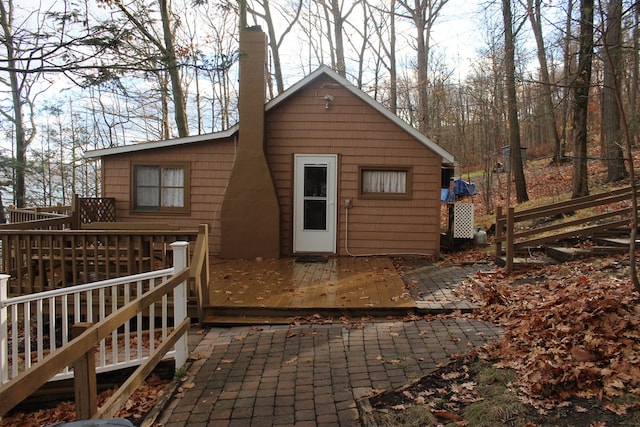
320, 169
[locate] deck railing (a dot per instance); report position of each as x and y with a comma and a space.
35, 335
83, 210
17, 215
41, 260
511, 229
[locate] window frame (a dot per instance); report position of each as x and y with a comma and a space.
185, 166
407, 195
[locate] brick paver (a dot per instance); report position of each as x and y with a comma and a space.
312, 375
315, 374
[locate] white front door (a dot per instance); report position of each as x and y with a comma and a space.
314, 204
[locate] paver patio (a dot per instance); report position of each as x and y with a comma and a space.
315, 374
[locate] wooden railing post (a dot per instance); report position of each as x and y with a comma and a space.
180, 257
84, 378
4, 329
499, 231
200, 269
510, 244
75, 212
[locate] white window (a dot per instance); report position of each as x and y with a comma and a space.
160, 188
383, 182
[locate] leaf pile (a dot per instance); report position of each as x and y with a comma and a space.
136, 407
570, 330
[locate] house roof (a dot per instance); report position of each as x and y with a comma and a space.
161, 144
447, 158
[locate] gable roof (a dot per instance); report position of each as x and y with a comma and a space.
447, 158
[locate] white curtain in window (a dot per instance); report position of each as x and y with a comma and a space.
384, 182
173, 187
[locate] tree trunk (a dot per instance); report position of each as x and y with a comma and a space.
551, 132
567, 62
581, 100
611, 133
515, 156
6, 20
338, 24
171, 61
393, 72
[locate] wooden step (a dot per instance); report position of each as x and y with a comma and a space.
615, 242
567, 254
226, 316
521, 262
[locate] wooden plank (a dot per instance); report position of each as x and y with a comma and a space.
574, 223
566, 254
615, 242
129, 226
558, 236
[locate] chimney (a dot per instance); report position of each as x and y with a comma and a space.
250, 214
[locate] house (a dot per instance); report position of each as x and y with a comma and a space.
321, 169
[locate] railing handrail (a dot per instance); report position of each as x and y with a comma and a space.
569, 205
21, 386
42, 212
21, 299
506, 221
181, 231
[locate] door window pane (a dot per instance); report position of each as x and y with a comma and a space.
315, 181
315, 215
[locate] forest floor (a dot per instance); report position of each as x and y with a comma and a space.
570, 353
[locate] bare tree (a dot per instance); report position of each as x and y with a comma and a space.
423, 14
20, 86
163, 41
291, 14
549, 119
384, 26
516, 166
567, 62
581, 87
611, 133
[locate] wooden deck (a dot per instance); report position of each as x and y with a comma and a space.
359, 285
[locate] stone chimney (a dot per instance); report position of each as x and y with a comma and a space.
250, 214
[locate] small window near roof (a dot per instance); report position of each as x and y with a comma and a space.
385, 182
160, 188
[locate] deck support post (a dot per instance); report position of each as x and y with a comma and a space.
4, 329
180, 257
510, 244
499, 231
84, 378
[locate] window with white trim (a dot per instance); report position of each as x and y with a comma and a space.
160, 188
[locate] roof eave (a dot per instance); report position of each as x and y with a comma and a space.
161, 144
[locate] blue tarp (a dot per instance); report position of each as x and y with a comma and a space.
463, 188
460, 189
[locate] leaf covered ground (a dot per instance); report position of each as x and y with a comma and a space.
570, 353
136, 407
569, 356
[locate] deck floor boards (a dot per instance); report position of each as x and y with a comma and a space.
283, 283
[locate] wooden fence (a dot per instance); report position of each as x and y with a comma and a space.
21, 379
515, 232
84, 210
